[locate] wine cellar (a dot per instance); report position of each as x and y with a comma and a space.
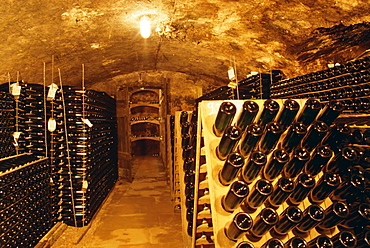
195, 124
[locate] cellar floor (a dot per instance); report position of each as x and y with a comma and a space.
138, 214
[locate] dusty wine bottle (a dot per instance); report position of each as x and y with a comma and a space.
245, 244
232, 165
228, 141
270, 109
253, 166
250, 110
250, 139
289, 112
224, 118
240, 224
236, 195
275, 164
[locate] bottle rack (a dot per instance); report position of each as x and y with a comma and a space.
348, 83
25, 204
90, 169
222, 219
146, 115
7, 122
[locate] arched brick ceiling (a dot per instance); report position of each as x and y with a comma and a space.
202, 38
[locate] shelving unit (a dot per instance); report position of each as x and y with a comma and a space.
147, 121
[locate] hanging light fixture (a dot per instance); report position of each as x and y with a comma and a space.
145, 27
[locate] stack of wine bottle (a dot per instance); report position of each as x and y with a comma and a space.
197, 213
348, 82
29, 118
90, 157
284, 173
255, 86
25, 203
7, 122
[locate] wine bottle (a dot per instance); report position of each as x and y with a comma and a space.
315, 134
344, 239
257, 196
304, 183
270, 137
343, 160
183, 117
239, 225
330, 112
296, 242
273, 243
296, 163
294, 136
334, 214
235, 196
250, 110
276, 164
270, 109
232, 165
263, 222
320, 158
288, 219
350, 190
324, 187
283, 188
289, 112
253, 166
250, 139
321, 241
359, 216
312, 216
309, 111
228, 141
245, 244
224, 118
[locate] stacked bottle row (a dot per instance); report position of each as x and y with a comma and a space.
25, 203
348, 82
7, 122
90, 170
255, 86
30, 117
197, 212
279, 170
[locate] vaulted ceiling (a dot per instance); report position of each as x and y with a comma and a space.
197, 37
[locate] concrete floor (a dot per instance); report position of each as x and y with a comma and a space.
138, 214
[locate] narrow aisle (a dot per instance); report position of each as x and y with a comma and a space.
138, 214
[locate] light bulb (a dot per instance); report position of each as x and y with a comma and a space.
145, 28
